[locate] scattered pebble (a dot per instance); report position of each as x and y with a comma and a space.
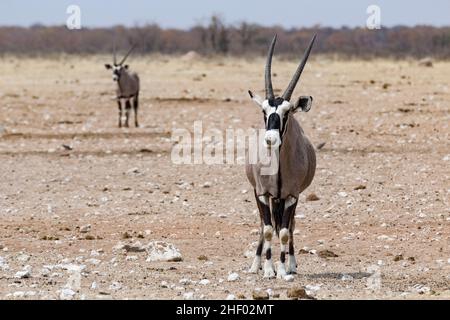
346, 277
312, 197
163, 251
327, 254
204, 282
233, 277
86, 228
298, 293
260, 295
289, 278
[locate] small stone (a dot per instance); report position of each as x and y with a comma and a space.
207, 184
312, 197
66, 294
346, 277
327, 254
204, 282
360, 187
22, 274
233, 277
185, 282
342, 194
93, 261
398, 257
298, 293
202, 257
289, 278
163, 251
23, 257
188, 296
231, 297
86, 228
136, 247
94, 286
126, 235
115, 286
260, 295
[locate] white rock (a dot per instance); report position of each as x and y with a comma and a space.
93, 261
342, 194
204, 282
312, 288
3, 264
115, 286
162, 251
22, 274
94, 286
23, 257
385, 237
233, 277
18, 294
86, 228
346, 277
185, 281
231, 297
289, 278
66, 294
131, 258
188, 296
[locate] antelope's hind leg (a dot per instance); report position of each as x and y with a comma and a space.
119, 103
286, 226
292, 263
136, 107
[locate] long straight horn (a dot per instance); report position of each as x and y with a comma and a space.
290, 89
126, 56
268, 73
114, 53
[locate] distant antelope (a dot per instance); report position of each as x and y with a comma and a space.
277, 195
127, 87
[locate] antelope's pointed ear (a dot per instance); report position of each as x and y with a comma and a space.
304, 103
108, 66
257, 99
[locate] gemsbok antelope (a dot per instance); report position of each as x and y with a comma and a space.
277, 194
127, 87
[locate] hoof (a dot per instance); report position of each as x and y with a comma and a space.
269, 271
281, 271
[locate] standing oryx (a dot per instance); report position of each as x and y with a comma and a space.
277, 193
127, 87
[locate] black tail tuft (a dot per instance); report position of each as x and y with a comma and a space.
277, 213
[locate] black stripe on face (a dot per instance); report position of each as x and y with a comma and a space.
274, 122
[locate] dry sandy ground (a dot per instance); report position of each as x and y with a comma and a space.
386, 128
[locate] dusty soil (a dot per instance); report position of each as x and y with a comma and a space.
382, 181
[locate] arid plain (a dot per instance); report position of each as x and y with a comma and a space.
74, 188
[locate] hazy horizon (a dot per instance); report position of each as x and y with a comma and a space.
103, 13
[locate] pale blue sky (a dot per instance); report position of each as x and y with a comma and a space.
185, 13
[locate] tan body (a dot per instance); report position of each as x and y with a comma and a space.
297, 166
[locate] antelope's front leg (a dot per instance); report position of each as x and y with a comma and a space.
288, 214
263, 203
120, 112
127, 112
